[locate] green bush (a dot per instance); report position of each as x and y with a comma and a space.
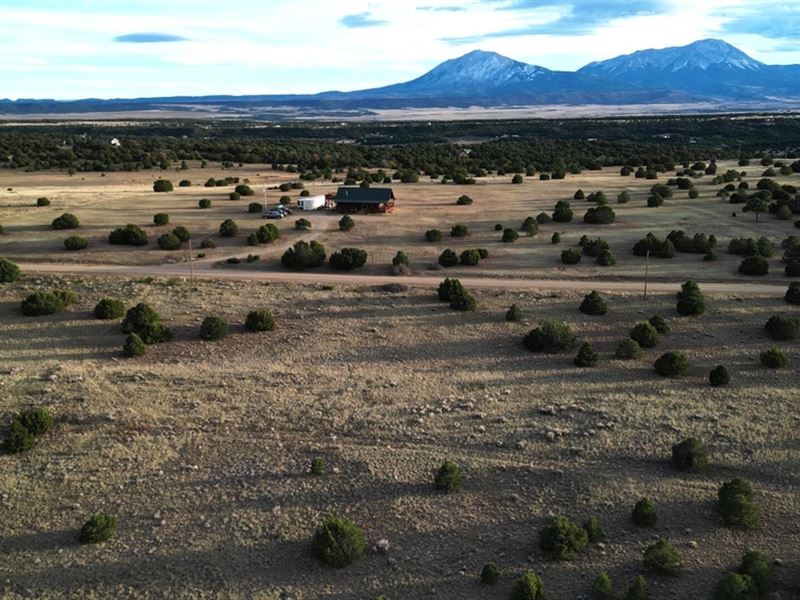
464, 302
161, 219
433, 235
773, 358
448, 477
628, 349
302, 224
162, 185
213, 328
513, 313
346, 223
47, 303
734, 586
401, 258
570, 256
660, 324
204, 203
645, 335
562, 213
133, 346
498, 227
317, 466
464, 201
470, 257
267, 233
155, 333
586, 356
490, 574
737, 505
719, 376
18, 439
75, 242
792, 268
244, 190
304, 255
348, 259
754, 265
228, 228
594, 530
109, 308
530, 226
207, 244
252, 239
663, 558
690, 455
182, 233
130, 235
528, 587
66, 221
637, 590
606, 258
448, 258
168, 241
671, 364
99, 528
510, 236
459, 230
234, 196
644, 513
600, 215
449, 289
36, 420
260, 320
623, 197
602, 587
9, 271
783, 328
593, 304
555, 238
550, 337
184, 183
138, 317
756, 565
517, 179
792, 293
543, 218
42, 201
563, 539
690, 300
337, 542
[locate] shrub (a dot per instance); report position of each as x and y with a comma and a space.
628, 349
737, 506
586, 356
184, 183
570, 256
756, 565
562, 539
130, 235
18, 439
9, 271
773, 358
449, 289
490, 574
637, 590
516, 179
448, 258
213, 328
109, 308
162, 185
348, 259
659, 323
792, 293
75, 242
42, 202
66, 221
400, 259
754, 265
433, 235
644, 513
606, 258
228, 228
155, 333
267, 233
448, 477
602, 587
498, 227
719, 376
244, 190
234, 260
594, 530
464, 201
99, 528
255, 208
207, 244
470, 257
260, 320
168, 241
510, 236
690, 455
133, 346
204, 203
304, 255
671, 364
623, 197
513, 313
543, 218
302, 224
161, 219
555, 238
562, 213
645, 334
792, 268
593, 304
252, 239
529, 226
464, 302
783, 328
182, 233
735, 586
550, 337
138, 317
317, 466
36, 420
528, 587
47, 303
600, 215
663, 558
459, 230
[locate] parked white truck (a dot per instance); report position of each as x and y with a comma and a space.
311, 202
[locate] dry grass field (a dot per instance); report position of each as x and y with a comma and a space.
202, 449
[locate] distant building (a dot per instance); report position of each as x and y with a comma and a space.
358, 199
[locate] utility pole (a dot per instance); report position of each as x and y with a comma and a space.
191, 263
646, 272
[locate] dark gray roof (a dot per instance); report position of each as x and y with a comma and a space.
364, 195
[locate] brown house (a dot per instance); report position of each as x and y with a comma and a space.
358, 199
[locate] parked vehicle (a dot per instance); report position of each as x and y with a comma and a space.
272, 214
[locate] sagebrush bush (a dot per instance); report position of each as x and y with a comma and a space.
213, 328
528, 586
672, 364
9, 271
260, 320
337, 542
490, 574
719, 376
448, 477
348, 259
18, 439
628, 349
304, 255
689, 455
433, 235
757, 566
47, 303
737, 505
66, 221
563, 539
448, 258
663, 558
644, 513
160, 219
773, 358
602, 587
514, 313
550, 337
783, 328
645, 335
75, 242
593, 304
133, 346
586, 357
594, 530
99, 528
109, 308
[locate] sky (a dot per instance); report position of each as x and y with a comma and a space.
68, 49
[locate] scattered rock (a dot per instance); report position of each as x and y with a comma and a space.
382, 546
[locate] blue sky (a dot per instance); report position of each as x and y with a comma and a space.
107, 49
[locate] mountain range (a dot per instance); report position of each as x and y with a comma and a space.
705, 71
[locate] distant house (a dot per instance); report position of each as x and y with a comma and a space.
357, 199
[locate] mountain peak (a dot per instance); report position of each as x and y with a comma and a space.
480, 67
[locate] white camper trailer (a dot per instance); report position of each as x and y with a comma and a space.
311, 202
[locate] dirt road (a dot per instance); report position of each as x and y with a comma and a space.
207, 270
